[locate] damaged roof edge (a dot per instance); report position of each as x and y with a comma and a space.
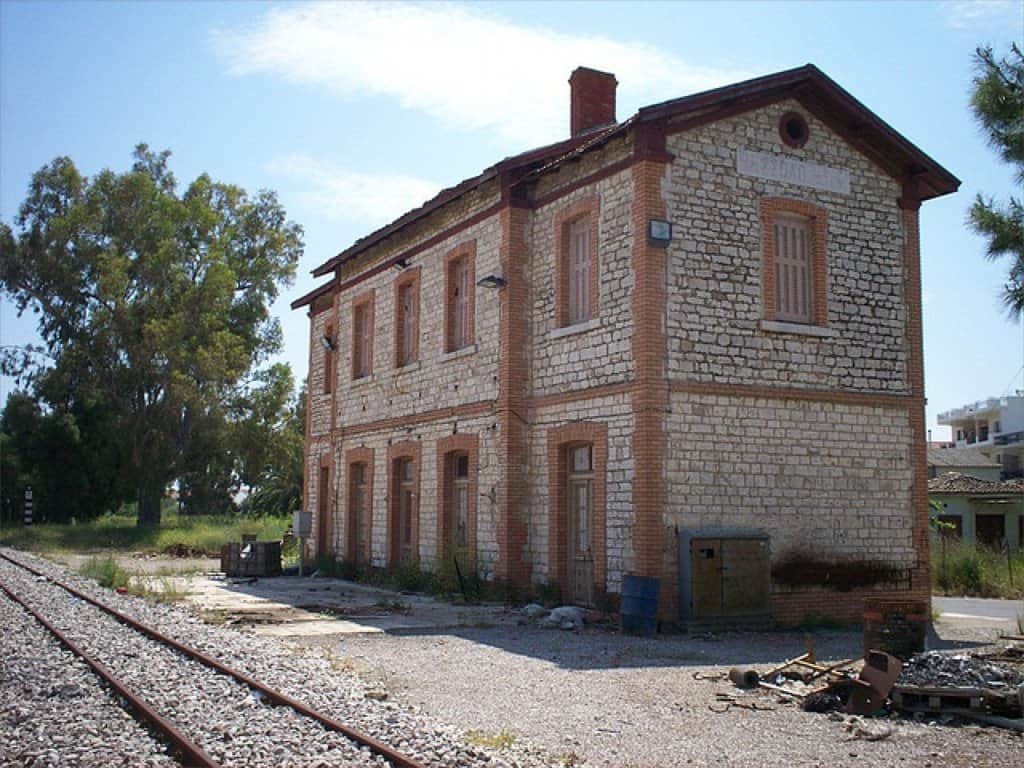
313, 295
942, 182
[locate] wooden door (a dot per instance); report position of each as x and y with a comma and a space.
706, 577
581, 512
323, 526
745, 577
406, 510
359, 523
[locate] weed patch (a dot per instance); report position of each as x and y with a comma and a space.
959, 568
503, 739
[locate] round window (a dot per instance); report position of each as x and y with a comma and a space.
793, 130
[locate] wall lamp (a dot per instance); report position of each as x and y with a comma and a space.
327, 342
492, 281
400, 264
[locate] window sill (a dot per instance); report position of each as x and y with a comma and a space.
407, 368
362, 380
798, 329
464, 352
572, 330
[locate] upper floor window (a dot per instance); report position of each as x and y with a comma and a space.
795, 284
459, 299
576, 273
329, 372
579, 271
362, 337
407, 324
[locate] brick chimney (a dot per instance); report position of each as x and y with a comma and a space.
593, 99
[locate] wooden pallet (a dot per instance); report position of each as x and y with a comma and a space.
912, 698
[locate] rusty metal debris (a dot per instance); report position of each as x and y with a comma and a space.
967, 686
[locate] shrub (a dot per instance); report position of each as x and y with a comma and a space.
106, 572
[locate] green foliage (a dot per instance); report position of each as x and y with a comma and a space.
959, 568
118, 532
106, 572
997, 101
74, 473
154, 307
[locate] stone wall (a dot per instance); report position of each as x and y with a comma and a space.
819, 477
715, 264
599, 353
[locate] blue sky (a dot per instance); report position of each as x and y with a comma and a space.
356, 112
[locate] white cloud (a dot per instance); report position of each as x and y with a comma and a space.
962, 14
465, 67
340, 194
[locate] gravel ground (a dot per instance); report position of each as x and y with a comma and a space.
226, 721
600, 699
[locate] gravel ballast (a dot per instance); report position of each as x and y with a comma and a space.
222, 716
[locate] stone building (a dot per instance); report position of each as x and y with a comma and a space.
684, 346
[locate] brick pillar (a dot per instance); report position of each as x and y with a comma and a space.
650, 396
512, 372
910, 205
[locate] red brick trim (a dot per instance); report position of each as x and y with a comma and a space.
579, 395
465, 250
358, 456
560, 439
470, 445
512, 380
793, 393
405, 450
921, 576
368, 300
409, 277
818, 217
589, 209
439, 414
650, 397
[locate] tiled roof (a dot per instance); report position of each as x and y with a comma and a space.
959, 457
957, 482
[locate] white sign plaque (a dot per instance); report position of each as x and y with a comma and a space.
776, 168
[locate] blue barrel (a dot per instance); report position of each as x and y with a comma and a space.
640, 605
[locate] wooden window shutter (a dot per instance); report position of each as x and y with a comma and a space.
794, 281
578, 271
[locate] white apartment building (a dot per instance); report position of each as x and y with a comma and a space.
994, 426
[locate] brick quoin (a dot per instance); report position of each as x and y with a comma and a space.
650, 397
511, 405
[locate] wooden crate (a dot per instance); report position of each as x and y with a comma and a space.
255, 558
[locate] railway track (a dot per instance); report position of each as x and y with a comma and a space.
226, 715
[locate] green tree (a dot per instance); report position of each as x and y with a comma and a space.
153, 303
277, 490
997, 100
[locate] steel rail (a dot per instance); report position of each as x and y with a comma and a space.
191, 752
377, 747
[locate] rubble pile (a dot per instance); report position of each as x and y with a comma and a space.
935, 669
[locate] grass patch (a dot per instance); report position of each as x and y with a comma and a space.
157, 588
959, 568
503, 739
118, 532
106, 572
